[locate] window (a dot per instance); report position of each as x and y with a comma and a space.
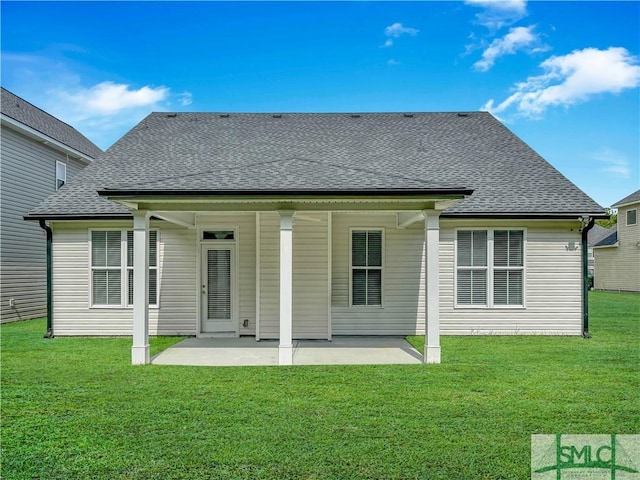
106, 272
490, 268
366, 267
61, 174
112, 268
507, 267
472, 267
632, 216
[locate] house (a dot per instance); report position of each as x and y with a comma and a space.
38, 155
595, 236
310, 226
617, 256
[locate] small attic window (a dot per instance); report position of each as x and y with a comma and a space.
632, 216
61, 174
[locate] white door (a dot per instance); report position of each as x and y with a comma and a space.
217, 289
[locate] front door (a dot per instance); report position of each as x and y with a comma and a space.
217, 289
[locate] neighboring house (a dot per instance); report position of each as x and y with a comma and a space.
38, 155
284, 226
617, 257
595, 236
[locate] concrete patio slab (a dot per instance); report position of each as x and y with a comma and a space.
245, 351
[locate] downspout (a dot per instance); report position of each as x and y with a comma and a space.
47, 229
587, 224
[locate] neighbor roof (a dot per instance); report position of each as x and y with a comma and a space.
318, 153
633, 198
610, 239
22, 111
598, 233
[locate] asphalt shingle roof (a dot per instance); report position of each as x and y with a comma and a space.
267, 153
610, 239
599, 233
22, 111
633, 198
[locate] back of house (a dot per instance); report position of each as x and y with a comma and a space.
282, 226
617, 257
39, 154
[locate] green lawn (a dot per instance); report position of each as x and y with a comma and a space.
74, 408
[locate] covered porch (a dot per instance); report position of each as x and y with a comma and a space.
245, 351
275, 221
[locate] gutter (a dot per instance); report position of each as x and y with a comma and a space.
587, 224
47, 229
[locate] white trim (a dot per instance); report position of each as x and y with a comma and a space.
285, 347
140, 350
382, 266
432, 285
235, 307
329, 273
490, 268
257, 246
124, 274
45, 139
200, 243
64, 180
626, 217
123, 259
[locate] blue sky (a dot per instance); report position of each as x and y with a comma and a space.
564, 76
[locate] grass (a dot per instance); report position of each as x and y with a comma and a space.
75, 408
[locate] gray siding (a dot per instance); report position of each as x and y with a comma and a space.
28, 176
618, 268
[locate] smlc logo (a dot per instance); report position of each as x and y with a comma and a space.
573, 457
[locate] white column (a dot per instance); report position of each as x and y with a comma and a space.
432, 288
140, 349
285, 349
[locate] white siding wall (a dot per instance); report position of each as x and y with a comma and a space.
310, 270
28, 177
403, 283
72, 314
618, 268
553, 285
552, 288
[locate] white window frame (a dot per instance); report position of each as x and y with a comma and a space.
491, 268
124, 270
627, 217
58, 178
381, 267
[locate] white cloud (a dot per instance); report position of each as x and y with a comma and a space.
388, 43
518, 38
397, 29
614, 162
393, 62
572, 79
499, 13
102, 110
108, 98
